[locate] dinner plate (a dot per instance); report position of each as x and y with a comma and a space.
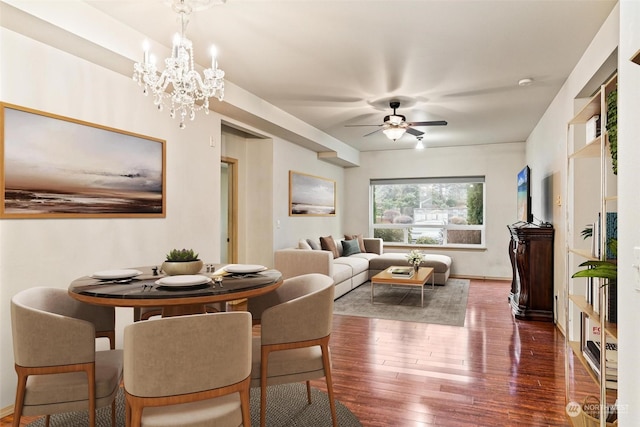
183, 280
115, 274
244, 268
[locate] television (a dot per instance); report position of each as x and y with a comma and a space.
524, 195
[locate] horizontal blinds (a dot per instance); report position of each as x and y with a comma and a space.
438, 180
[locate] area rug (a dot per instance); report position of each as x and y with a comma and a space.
443, 305
286, 407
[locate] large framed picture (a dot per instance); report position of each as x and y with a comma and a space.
58, 167
311, 195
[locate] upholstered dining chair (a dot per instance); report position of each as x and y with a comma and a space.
188, 371
54, 347
296, 321
146, 313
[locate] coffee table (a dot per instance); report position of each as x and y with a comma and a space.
418, 279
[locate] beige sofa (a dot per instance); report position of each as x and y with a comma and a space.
351, 271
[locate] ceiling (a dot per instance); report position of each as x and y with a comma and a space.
334, 63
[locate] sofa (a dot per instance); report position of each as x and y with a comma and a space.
354, 269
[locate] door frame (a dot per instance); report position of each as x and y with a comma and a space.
232, 214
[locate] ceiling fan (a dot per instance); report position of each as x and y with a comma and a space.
395, 125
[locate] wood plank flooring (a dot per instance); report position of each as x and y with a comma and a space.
494, 371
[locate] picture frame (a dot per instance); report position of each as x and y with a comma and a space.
311, 195
59, 167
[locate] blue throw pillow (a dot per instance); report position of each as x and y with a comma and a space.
350, 247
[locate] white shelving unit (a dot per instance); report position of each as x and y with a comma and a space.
591, 194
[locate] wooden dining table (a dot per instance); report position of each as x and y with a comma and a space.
145, 290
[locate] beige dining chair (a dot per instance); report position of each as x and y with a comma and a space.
188, 370
55, 334
146, 313
296, 321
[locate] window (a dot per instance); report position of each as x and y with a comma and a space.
429, 211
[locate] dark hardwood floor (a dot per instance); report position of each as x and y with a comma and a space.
494, 371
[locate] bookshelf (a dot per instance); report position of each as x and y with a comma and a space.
591, 196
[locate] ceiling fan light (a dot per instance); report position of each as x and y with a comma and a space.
394, 133
394, 119
419, 145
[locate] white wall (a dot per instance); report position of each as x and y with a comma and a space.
546, 150
40, 252
498, 163
629, 209
287, 157
547, 144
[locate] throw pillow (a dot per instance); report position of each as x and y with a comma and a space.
350, 247
302, 244
314, 244
357, 237
328, 244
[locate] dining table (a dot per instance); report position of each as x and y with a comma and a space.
148, 287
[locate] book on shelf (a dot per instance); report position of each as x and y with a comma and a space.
591, 353
593, 128
403, 272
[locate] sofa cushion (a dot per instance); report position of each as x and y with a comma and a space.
303, 244
357, 237
341, 272
357, 265
328, 244
350, 247
315, 245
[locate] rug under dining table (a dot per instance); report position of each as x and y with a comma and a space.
286, 406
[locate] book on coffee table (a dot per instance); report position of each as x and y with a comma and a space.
401, 272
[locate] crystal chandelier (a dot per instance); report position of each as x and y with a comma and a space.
180, 86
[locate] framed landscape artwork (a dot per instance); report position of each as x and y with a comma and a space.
58, 167
311, 195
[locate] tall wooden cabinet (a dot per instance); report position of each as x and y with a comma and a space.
531, 255
591, 200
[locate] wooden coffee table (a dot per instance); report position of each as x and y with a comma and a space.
419, 279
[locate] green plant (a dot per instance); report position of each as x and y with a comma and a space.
612, 128
182, 255
604, 269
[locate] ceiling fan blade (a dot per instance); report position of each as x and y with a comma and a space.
371, 133
352, 126
414, 132
430, 123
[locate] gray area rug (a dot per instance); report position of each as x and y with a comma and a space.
443, 305
286, 407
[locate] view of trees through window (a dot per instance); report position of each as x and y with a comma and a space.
446, 211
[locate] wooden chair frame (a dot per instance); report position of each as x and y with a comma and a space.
135, 404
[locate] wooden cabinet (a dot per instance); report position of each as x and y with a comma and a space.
531, 254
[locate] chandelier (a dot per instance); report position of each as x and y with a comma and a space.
180, 86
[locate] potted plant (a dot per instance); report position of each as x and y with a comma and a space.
606, 269
182, 261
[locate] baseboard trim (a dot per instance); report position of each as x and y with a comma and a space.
471, 277
5, 412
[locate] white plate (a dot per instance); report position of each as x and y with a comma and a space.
115, 274
244, 268
183, 280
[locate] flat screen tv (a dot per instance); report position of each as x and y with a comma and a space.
524, 195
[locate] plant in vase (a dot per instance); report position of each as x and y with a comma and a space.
414, 258
182, 261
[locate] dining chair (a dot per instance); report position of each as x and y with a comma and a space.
296, 321
54, 347
146, 313
188, 370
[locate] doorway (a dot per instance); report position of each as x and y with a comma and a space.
228, 210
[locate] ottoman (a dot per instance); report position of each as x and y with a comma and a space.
441, 264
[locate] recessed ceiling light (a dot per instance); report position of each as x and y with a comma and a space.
525, 82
